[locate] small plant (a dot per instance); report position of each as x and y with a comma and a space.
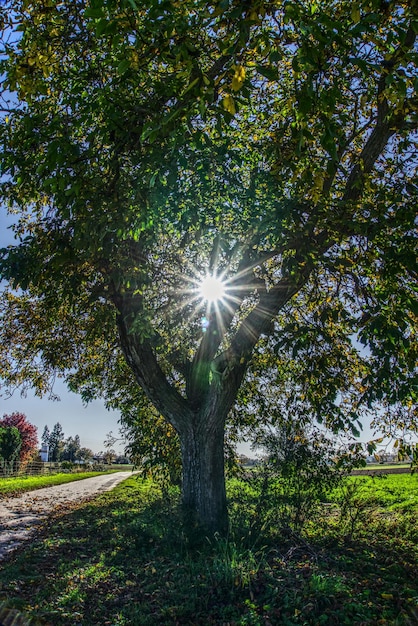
67, 465
297, 475
354, 510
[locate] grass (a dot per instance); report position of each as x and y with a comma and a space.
393, 492
380, 466
126, 559
14, 486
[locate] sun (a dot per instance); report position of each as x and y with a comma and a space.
212, 288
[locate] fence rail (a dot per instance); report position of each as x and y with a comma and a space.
39, 468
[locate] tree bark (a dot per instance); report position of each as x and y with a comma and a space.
200, 429
203, 488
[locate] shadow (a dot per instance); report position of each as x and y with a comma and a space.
125, 559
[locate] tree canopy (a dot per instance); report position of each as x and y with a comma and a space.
28, 443
273, 145
10, 444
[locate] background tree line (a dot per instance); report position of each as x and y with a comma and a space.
64, 449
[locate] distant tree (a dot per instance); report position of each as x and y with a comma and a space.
71, 448
10, 445
45, 436
109, 456
84, 455
28, 433
56, 443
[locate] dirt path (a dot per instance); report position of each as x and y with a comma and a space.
20, 516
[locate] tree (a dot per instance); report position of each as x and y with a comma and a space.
71, 447
56, 443
298, 472
267, 144
45, 436
84, 455
109, 456
28, 434
10, 444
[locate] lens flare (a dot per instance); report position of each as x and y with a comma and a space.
212, 288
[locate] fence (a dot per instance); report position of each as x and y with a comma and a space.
39, 468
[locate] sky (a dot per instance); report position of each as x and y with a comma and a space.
91, 422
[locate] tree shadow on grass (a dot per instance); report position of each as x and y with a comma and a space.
125, 558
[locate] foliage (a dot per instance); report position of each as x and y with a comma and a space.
64, 449
297, 474
123, 558
287, 489
148, 145
84, 454
10, 444
71, 449
45, 436
162, 460
28, 434
56, 443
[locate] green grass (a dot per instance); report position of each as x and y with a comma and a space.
126, 559
393, 492
380, 466
15, 486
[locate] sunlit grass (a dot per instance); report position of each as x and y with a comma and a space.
14, 486
393, 492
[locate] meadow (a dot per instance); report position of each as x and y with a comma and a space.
126, 558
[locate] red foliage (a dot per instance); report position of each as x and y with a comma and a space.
27, 431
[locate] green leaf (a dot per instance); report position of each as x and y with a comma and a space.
123, 67
96, 12
268, 72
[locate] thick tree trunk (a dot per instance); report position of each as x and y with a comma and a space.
203, 489
198, 418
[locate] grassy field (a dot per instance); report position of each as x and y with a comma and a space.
126, 559
14, 486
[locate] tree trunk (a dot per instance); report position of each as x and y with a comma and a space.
198, 418
203, 489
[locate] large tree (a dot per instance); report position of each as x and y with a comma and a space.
270, 144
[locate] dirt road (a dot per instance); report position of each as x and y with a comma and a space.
20, 516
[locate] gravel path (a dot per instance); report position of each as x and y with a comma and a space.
19, 516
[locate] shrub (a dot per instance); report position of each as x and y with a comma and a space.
298, 472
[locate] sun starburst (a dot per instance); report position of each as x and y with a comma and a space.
212, 288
